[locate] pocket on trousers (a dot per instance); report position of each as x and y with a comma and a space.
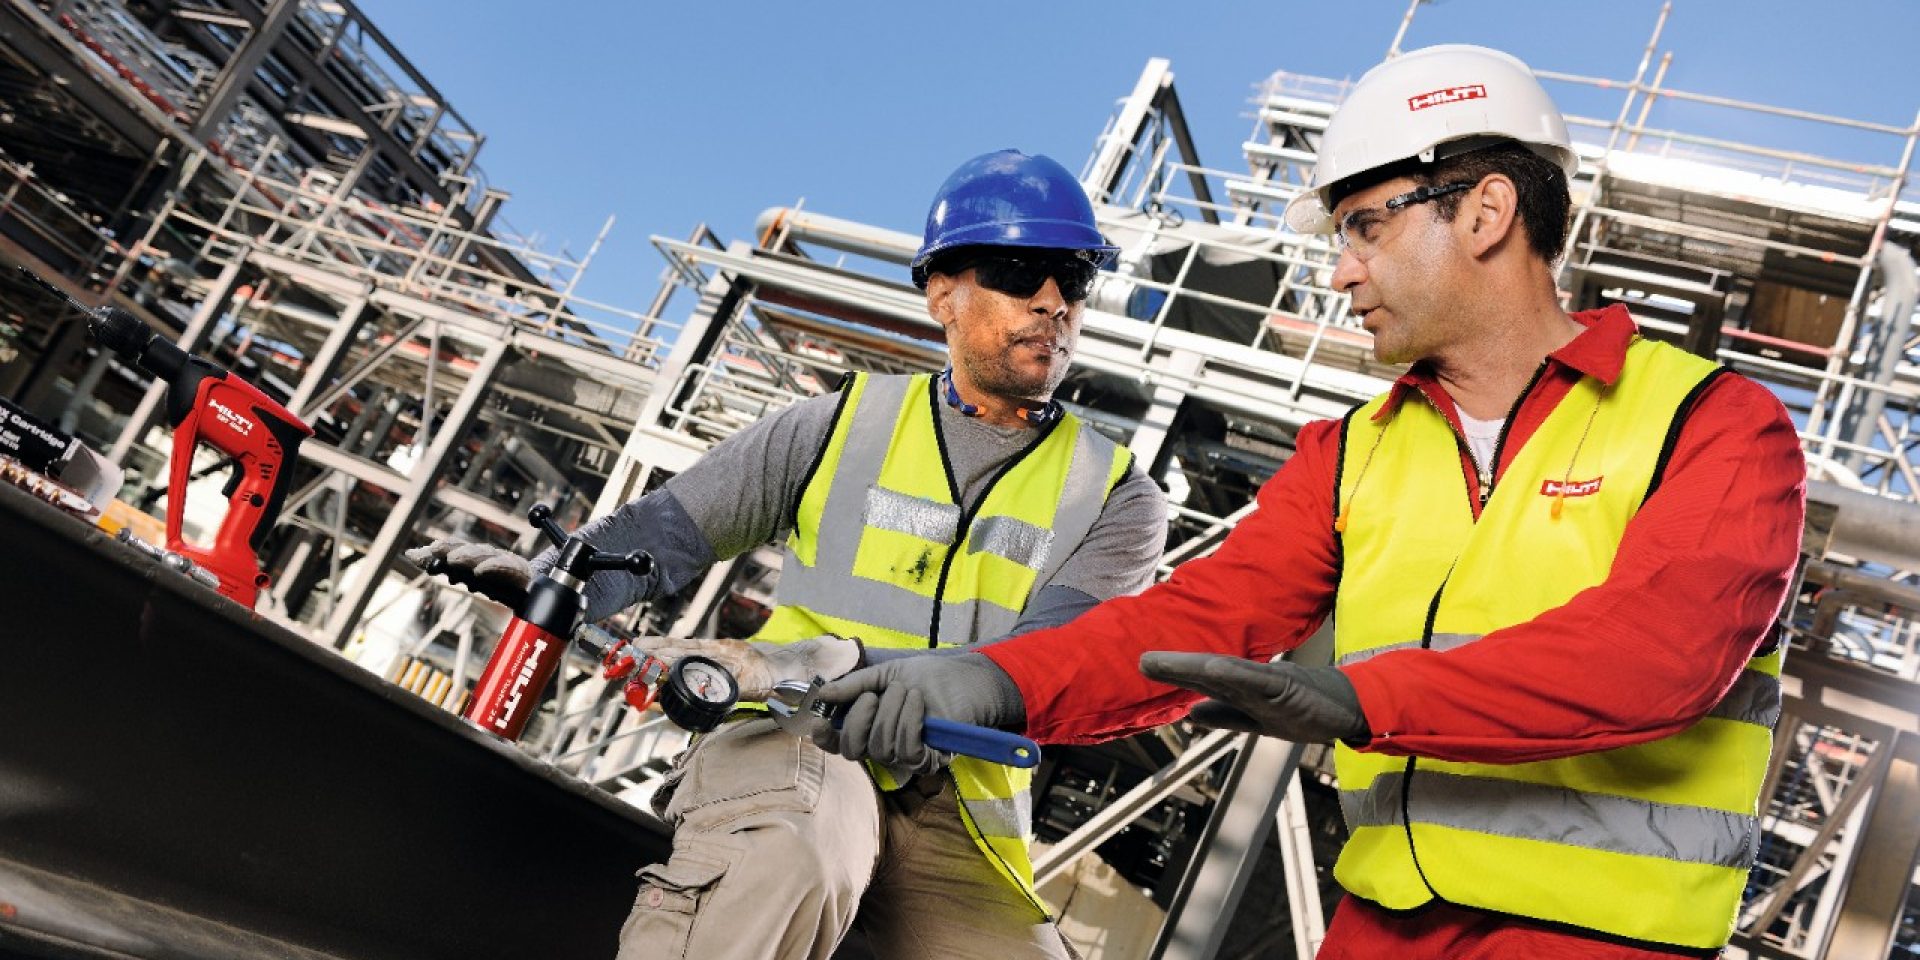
667, 906
748, 766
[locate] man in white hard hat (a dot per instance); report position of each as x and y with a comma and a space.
1553, 552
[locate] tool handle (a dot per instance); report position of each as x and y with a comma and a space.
541, 516
984, 743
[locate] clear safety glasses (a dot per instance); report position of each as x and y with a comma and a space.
1362, 231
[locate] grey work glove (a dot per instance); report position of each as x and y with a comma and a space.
493, 572
888, 705
757, 667
1284, 700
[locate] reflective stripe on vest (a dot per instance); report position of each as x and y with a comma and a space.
1650, 842
883, 474
881, 549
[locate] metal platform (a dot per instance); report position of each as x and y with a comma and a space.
180, 778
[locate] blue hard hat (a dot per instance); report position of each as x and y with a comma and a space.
1010, 199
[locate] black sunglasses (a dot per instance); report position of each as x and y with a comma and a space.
1023, 274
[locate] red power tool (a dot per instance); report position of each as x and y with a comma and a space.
207, 404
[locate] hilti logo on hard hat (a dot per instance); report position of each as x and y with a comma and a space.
1573, 488
1446, 95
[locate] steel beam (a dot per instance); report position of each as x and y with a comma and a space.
50, 49
1150, 440
413, 501
324, 365
330, 457
706, 599
1116, 148
1883, 868
1230, 845
719, 301
240, 68
1303, 881
1200, 754
1197, 920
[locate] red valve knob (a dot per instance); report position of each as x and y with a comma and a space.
618, 661
645, 682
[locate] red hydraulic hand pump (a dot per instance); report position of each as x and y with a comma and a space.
529, 652
208, 404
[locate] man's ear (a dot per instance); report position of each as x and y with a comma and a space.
1490, 214
941, 290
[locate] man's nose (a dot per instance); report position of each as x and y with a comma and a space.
1048, 301
1349, 272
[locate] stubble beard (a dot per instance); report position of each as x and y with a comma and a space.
1001, 376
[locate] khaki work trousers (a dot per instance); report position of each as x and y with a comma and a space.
777, 845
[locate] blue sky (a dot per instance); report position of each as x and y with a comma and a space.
669, 114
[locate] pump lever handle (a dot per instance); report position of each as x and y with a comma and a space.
639, 562
541, 516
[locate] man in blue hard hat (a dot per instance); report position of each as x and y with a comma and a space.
919, 515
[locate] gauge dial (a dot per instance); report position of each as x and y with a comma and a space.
708, 682
698, 694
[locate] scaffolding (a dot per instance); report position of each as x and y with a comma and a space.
1218, 334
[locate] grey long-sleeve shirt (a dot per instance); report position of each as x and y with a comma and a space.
741, 494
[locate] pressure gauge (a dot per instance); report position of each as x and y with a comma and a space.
698, 694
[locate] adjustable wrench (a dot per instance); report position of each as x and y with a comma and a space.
793, 701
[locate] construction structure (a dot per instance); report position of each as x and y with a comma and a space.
275, 185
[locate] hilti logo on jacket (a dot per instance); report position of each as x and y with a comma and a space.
1446, 95
1570, 488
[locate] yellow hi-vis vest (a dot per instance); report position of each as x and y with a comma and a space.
882, 550
1650, 842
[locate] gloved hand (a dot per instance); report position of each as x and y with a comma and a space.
888, 706
493, 572
757, 667
1284, 700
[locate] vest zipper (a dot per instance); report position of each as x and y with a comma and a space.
1483, 473
967, 513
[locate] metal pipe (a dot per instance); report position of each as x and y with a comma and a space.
1393, 50
1870, 527
1853, 581
1653, 93
1771, 153
837, 234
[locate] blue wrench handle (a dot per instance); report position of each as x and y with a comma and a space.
984, 743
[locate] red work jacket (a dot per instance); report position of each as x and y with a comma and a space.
1698, 579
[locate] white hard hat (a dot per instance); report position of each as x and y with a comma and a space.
1418, 104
